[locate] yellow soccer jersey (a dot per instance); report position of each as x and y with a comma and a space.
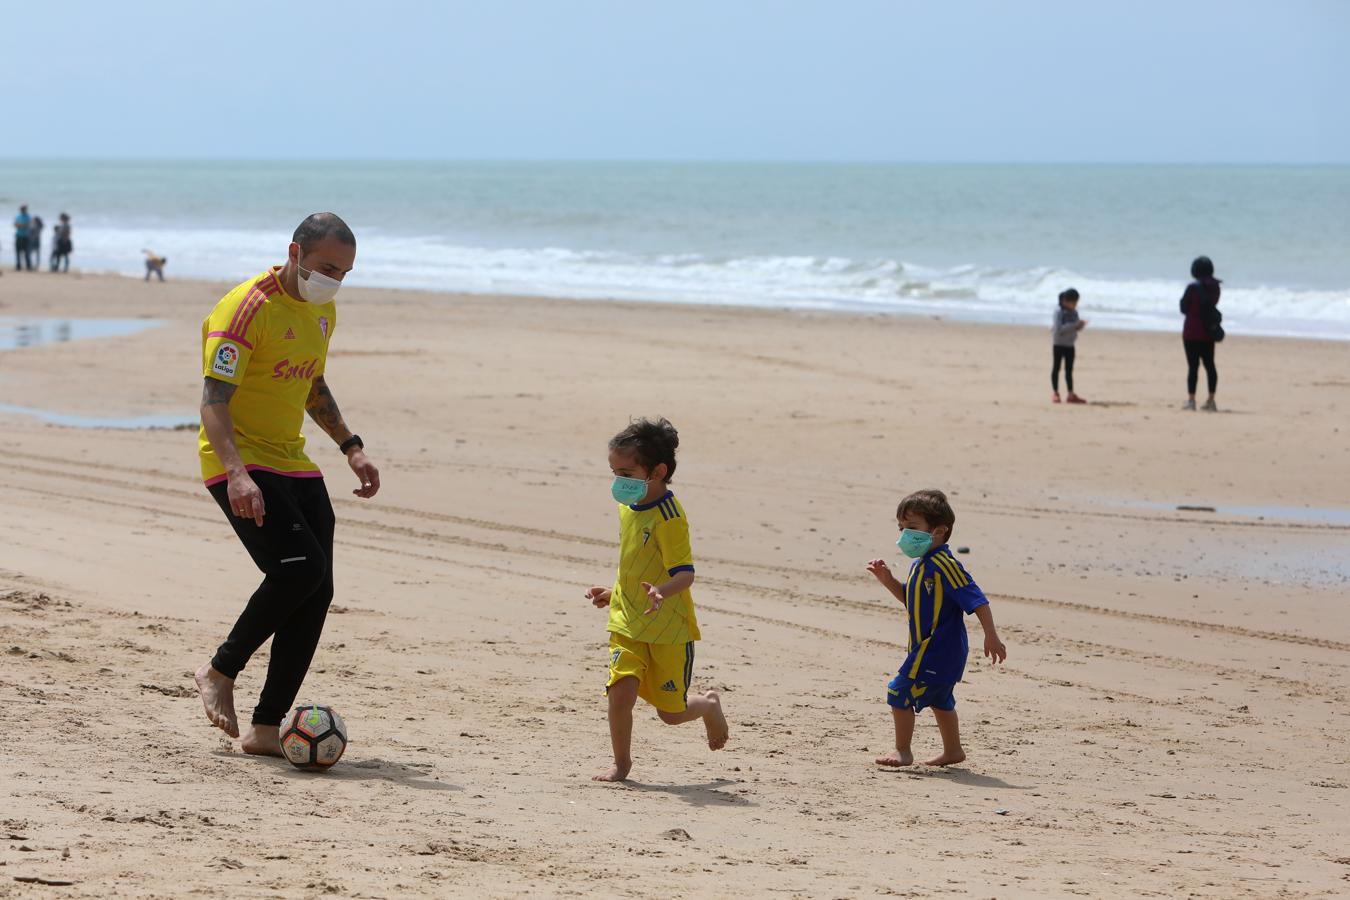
653, 547
272, 346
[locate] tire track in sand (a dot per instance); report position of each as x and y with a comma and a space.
581, 540
382, 531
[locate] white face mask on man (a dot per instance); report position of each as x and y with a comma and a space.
315, 286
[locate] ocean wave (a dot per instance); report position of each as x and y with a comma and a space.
972, 292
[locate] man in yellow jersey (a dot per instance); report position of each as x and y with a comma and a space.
263, 352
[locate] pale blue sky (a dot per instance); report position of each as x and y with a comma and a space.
938, 80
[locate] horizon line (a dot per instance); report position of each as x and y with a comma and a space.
541, 160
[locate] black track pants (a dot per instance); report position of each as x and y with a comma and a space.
1064, 354
1196, 353
294, 550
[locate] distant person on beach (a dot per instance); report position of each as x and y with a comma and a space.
23, 256
154, 264
264, 348
1201, 330
652, 626
935, 594
61, 245
1064, 334
35, 241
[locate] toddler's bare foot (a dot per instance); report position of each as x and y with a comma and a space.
715, 722
947, 759
615, 772
217, 692
262, 740
896, 758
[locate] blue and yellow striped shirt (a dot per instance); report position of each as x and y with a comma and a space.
937, 591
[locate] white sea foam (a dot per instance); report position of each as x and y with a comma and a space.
970, 292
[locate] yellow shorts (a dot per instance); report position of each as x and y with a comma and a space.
663, 671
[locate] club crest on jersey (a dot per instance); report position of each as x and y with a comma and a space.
323, 326
226, 360
928, 585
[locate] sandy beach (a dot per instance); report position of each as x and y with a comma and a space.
1171, 719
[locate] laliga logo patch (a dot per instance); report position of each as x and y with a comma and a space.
226, 361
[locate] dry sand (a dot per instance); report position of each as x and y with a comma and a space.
1171, 721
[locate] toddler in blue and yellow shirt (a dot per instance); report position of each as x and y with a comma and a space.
935, 594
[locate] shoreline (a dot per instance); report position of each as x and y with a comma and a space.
804, 310
885, 239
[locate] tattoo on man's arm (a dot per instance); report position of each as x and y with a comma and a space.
216, 391
323, 409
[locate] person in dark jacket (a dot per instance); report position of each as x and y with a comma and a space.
1198, 332
1063, 334
61, 245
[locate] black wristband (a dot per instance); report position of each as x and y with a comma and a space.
349, 443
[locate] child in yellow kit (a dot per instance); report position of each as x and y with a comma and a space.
652, 626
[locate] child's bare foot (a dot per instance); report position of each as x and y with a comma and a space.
217, 692
615, 772
947, 759
896, 758
262, 740
715, 722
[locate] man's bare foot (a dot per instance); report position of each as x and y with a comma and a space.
217, 693
262, 740
616, 772
947, 759
715, 722
896, 758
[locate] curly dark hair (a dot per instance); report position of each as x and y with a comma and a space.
651, 441
931, 506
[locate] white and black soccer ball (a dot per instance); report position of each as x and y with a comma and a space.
313, 736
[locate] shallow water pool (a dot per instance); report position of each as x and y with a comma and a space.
121, 422
20, 332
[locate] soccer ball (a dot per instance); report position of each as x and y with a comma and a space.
313, 737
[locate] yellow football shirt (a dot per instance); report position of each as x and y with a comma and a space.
653, 547
272, 346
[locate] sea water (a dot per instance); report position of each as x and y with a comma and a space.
990, 243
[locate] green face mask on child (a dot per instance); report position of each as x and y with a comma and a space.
628, 491
914, 543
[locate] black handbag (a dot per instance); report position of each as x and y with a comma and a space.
1213, 323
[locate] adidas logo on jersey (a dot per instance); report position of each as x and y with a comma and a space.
290, 335
669, 686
